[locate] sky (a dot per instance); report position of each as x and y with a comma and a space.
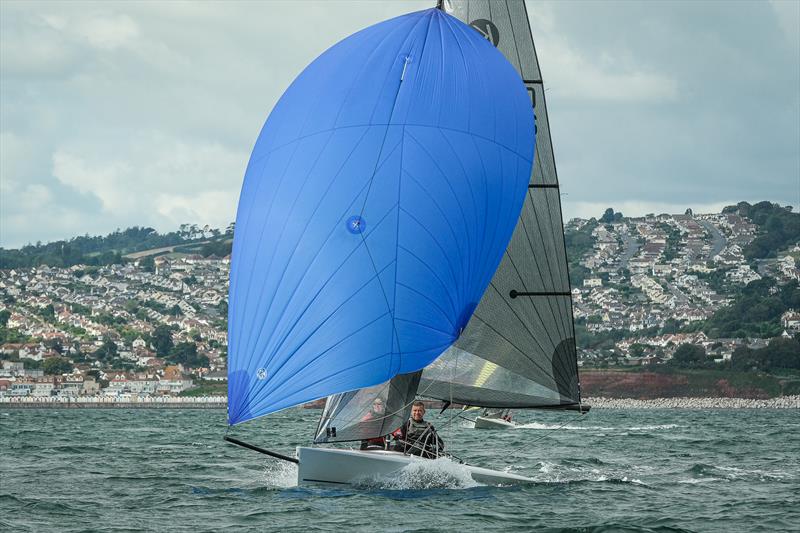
115, 114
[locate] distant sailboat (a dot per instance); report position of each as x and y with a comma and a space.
494, 419
393, 240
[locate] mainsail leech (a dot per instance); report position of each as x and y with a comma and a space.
524, 321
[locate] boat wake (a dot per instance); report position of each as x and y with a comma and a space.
537, 425
560, 473
421, 475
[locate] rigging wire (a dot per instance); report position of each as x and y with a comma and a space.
550, 431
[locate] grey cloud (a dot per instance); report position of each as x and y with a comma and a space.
730, 130
160, 103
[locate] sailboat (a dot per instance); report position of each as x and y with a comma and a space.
398, 237
495, 420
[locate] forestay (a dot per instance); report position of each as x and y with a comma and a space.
376, 206
518, 350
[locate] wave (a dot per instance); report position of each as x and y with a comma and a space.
571, 472
656, 427
75, 449
729, 473
611, 480
578, 461
618, 527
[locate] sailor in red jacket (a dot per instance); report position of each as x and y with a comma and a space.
376, 412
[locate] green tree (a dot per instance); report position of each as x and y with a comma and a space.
5, 314
162, 340
689, 356
779, 354
31, 364
55, 366
743, 359
183, 352
54, 344
186, 354
107, 351
12, 336
782, 353
148, 264
637, 350
755, 311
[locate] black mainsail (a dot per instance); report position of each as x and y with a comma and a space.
518, 349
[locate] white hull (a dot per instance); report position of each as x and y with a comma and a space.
343, 467
493, 423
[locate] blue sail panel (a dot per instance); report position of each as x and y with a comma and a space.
376, 206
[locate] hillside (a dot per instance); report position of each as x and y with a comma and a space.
115, 248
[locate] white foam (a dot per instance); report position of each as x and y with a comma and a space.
547, 468
737, 473
537, 425
632, 480
280, 474
439, 473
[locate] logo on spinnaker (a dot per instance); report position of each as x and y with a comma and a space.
261, 373
487, 29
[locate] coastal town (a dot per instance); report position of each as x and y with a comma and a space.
653, 278
153, 328
144, 329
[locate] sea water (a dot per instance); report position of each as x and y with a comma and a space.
610, 470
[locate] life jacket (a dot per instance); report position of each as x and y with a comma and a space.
419, 438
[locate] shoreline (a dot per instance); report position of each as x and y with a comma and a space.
220, 402
781, 402
158, 402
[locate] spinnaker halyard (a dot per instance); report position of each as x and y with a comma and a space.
376, 207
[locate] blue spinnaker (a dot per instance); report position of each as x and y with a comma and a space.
376, 206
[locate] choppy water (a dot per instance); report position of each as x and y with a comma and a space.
169, 470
